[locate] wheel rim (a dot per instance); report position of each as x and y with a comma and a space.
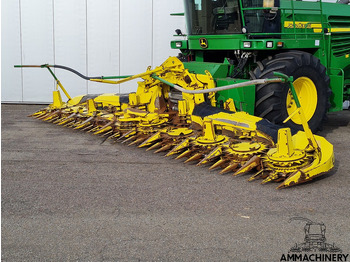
307, 95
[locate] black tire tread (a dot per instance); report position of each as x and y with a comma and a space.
270, 97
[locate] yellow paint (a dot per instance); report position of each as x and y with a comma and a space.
342, 30
231, 139
57, 100
285, 146
322, 162
63, 89
91, 106
108, 99
230, 105
75, 100
301, 25
317, 27
307, 94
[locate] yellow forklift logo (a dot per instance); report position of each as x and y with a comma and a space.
203, 42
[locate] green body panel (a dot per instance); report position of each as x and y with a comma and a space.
217, 70
217, 42
322, 29
337, 81
244, 97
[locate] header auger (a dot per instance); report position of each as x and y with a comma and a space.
174, 111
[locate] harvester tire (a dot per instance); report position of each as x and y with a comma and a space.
273, 101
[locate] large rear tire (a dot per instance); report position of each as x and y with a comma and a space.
274, 101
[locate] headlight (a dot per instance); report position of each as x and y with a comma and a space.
178, 44
269, 44
247, 44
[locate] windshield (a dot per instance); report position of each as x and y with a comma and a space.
263, 20
212, 17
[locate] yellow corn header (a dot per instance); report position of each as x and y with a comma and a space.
174, 111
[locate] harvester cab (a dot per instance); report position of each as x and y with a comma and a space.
210, 17
201, 105
241, 40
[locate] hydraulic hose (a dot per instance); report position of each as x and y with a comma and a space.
221, 88
76, 72
73, 71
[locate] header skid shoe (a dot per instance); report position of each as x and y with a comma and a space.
175, 111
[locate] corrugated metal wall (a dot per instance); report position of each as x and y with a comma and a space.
95, 37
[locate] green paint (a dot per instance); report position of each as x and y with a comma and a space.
217, 70
163, 80
244, 97
337, 97
320, 34
54, 76
177, 14
115, 77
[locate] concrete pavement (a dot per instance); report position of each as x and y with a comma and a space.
66, 196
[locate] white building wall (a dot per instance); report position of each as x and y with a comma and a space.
11, 51
95, 37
